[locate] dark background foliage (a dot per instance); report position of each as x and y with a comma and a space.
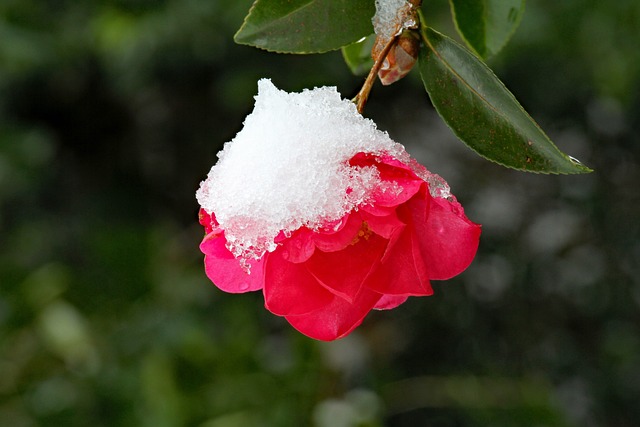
111, 113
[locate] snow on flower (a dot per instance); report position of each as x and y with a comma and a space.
328, 216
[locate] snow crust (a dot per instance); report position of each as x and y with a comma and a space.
288, 167
391, 17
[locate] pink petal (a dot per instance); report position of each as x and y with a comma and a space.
343, 272
448, 241
225, 271
289, 288
336, 319
387, 302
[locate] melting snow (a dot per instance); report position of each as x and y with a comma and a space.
288, 167
390, 17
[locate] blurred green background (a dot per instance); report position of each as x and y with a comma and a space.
112, 111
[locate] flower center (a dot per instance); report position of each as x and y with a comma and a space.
363, 233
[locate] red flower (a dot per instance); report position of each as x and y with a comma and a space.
324, 282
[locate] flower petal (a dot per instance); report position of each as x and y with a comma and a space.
387, 302
289, 288
336, 319
384, 226
398, 182
330, 239
208, 221
402, 271
343, 272
377, 210
399, 273
449, 241
225, 271
299, 247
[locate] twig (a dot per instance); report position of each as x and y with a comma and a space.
363, 95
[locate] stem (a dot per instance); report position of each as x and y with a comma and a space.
363, 95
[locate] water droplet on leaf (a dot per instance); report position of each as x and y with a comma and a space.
574, 160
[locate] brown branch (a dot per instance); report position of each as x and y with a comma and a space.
363, 95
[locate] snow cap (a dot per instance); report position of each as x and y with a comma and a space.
289, 167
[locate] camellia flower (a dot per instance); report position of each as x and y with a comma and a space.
325, 214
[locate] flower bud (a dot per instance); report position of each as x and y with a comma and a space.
401, 58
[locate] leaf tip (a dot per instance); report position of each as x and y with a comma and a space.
579, 166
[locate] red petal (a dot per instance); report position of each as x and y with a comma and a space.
387, 302
289, 288
330, 240
299, 247
449, 241
421, 268
384, 226
343, 272
337, 319
399, 182
377, 210
393, 192
402, 271
225, 271
399, 273
208, 221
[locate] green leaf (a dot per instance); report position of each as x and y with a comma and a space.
487, 25
358, 55
306, 26
483, 113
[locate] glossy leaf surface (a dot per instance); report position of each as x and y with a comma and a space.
358, 55
483, 113
306, 26
487, 25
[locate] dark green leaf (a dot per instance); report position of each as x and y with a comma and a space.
483, 113
306, 26
487, 25
358, 55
